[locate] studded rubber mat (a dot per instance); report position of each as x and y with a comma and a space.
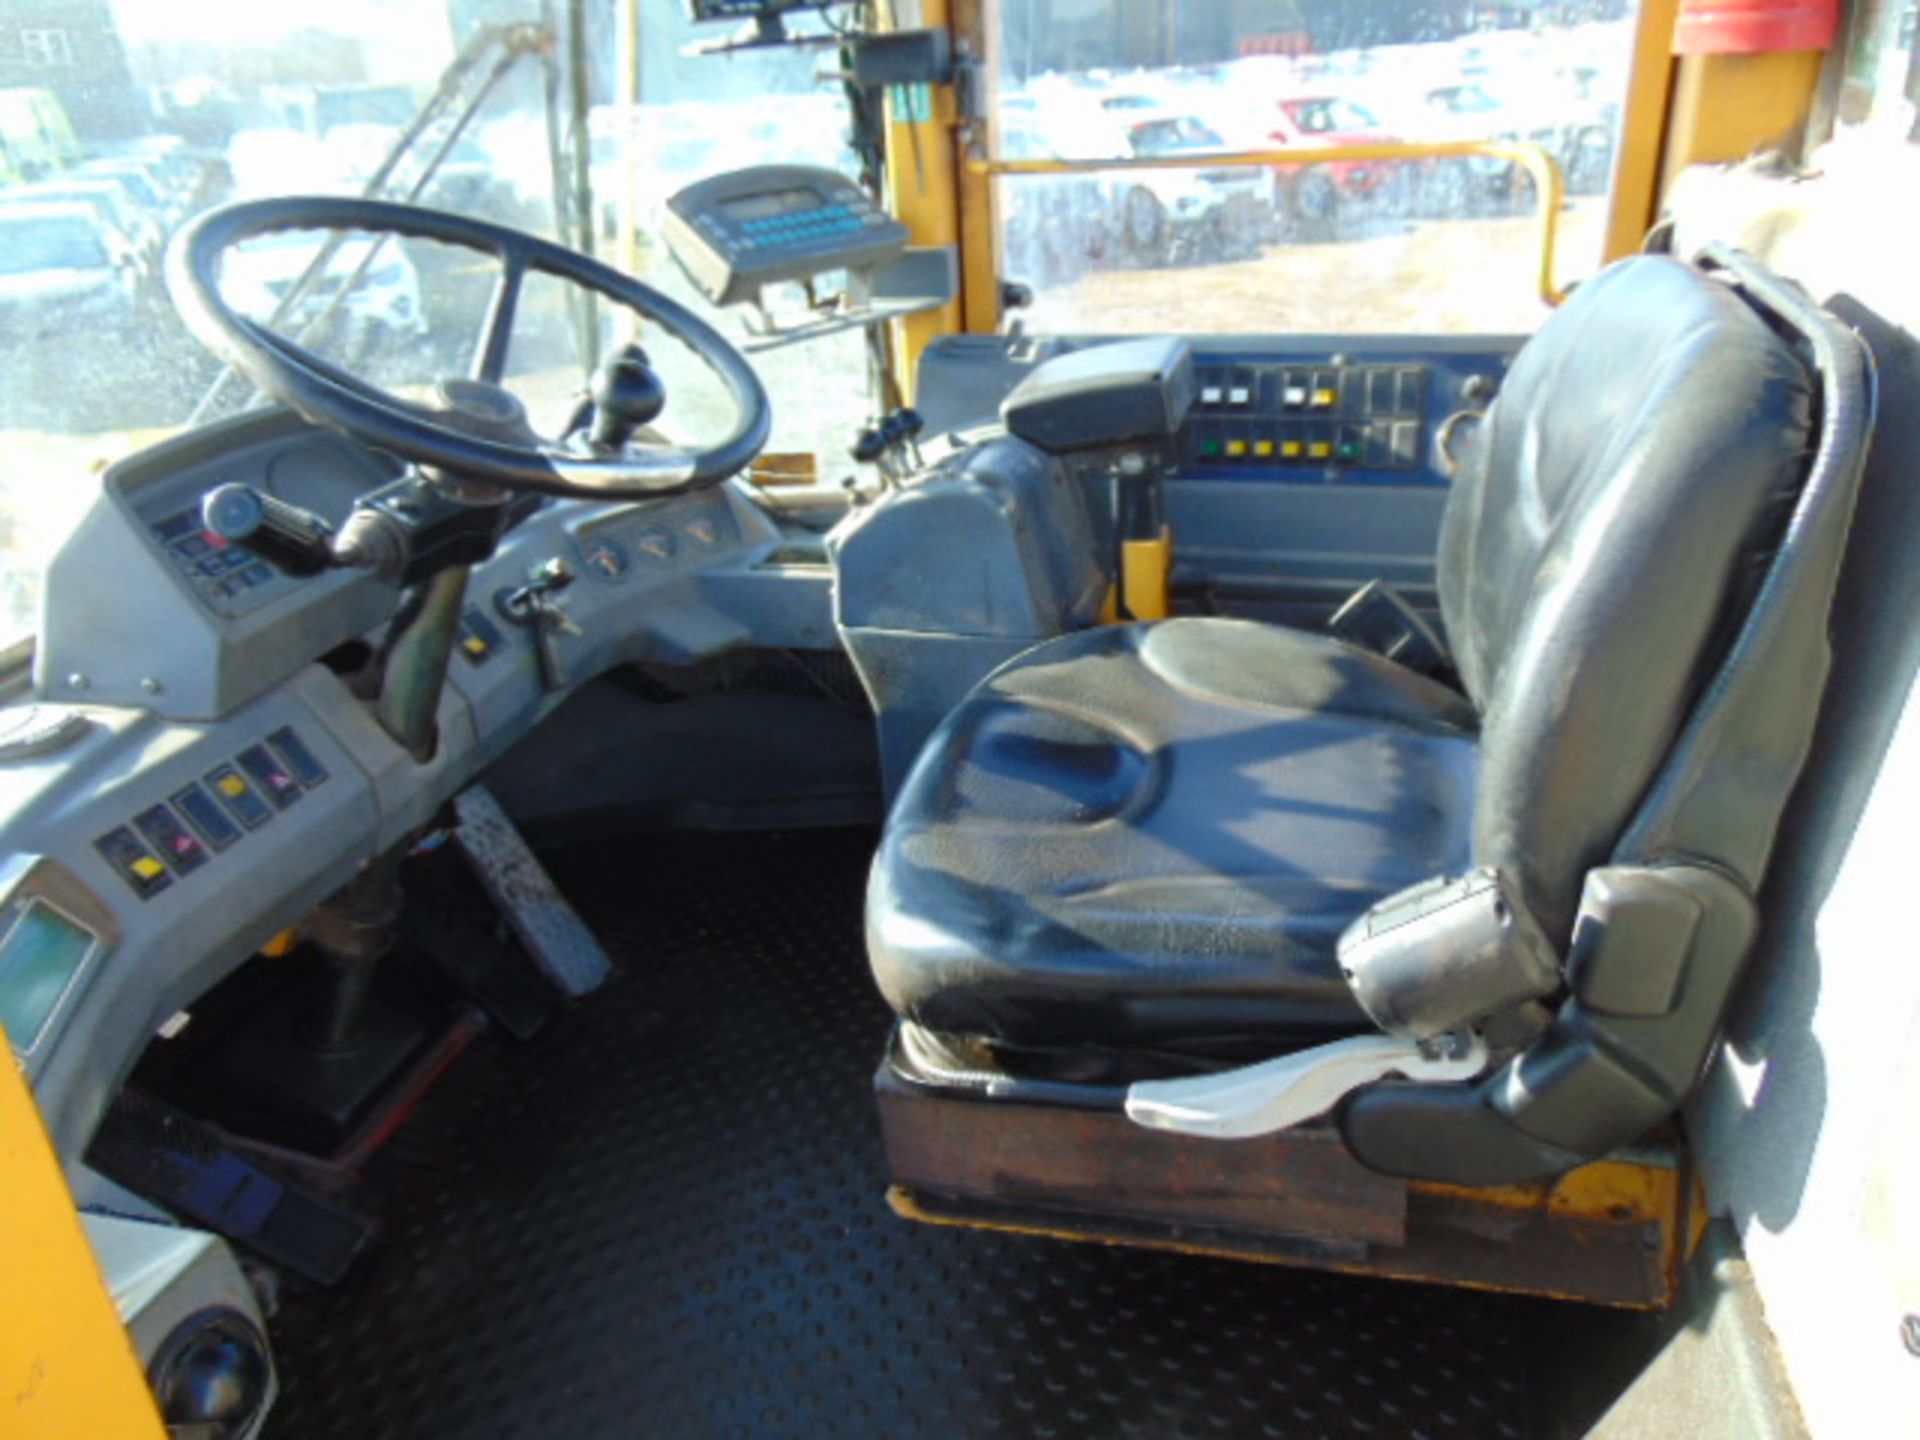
664, 1216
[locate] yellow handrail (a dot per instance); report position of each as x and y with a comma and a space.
1548, 185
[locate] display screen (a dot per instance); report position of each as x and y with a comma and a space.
771, 202
39, 957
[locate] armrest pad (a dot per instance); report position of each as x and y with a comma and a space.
1108, 395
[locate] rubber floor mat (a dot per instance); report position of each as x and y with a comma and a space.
664, 1216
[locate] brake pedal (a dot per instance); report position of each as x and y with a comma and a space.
538, 914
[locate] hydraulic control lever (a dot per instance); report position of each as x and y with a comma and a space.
890, 444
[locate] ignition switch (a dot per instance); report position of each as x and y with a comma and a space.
537, 604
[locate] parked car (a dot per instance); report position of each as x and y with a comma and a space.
59, 265
1313, 194
1054, 227
145, 179
1577, 133
128, 228
1162, 215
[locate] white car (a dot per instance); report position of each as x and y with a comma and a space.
1157, 215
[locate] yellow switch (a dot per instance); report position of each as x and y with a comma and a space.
232, 786
1319, 450
474, 645
1323, 399
1236, 449
1290, 450
1263, 449
148, 868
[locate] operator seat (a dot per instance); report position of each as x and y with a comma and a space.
1132, 852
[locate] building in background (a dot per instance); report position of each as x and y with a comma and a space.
73, 49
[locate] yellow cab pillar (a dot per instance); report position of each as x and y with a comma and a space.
67, 1365
1713, 81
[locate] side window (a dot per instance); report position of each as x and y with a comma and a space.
1351, 242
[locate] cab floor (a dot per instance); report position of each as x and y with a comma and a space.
664, 1216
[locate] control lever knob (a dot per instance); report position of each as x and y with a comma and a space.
626, 396
296, 540
888, 433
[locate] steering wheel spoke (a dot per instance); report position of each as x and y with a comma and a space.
496, 331
328, 395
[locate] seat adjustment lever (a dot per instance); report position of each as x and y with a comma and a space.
1276, 1095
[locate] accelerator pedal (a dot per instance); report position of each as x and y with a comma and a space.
539, 915
189, 1169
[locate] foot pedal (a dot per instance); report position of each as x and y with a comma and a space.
450, 919
553, 932
188, 1168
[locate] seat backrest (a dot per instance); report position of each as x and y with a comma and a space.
1601, 547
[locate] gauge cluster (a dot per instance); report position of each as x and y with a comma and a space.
657, 539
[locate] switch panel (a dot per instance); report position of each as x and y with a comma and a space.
239, 797
163, 830
144, 873
1262, 417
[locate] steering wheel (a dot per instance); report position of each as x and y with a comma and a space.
468, 439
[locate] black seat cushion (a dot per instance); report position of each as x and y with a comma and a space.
1154, 834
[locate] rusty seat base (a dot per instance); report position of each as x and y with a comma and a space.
1614, 1232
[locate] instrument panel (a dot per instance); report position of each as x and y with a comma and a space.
1360, 410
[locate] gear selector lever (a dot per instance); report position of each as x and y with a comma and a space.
296, 540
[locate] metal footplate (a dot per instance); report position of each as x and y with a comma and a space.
539, 915
1279, 1094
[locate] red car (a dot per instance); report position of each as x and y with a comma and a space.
1314, 192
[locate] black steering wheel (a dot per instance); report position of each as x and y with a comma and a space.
451, 440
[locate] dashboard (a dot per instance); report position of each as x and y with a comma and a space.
197, 777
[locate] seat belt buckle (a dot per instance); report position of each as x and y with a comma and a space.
1378, 618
